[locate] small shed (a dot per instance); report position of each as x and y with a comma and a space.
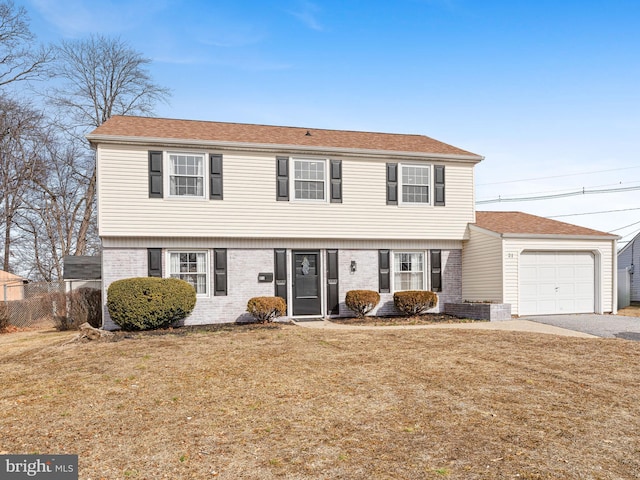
11, 286
539, 266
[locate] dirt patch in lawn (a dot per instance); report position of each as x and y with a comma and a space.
630, 311
426, 319
290, 402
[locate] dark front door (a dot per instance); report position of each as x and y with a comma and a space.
306, 283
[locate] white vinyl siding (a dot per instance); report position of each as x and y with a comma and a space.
482, 268
250, 208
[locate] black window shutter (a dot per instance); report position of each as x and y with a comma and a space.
439, 185
215, 177
220, 271
155, 174
392, 183
333, 299
154, 262
336, 181
384, 271
436, 271
282, 179
280, 267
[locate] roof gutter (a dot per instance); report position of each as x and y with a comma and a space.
269, 147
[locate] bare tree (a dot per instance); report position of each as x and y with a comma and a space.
20, 59
101, 77
104, 77
21, 135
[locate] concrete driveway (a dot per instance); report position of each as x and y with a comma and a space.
610, 326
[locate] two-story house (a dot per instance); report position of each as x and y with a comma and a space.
307, 214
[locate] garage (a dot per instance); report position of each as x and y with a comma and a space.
557, 282
539, 266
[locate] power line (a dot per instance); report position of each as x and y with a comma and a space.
622, 228
594, 213
557, 176
583, 191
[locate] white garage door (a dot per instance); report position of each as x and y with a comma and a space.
556, 282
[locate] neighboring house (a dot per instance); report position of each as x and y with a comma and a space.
628, 259
245, 210
11, 286
539, 266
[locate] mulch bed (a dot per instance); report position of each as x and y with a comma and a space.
426, 319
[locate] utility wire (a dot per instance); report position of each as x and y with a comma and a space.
583, 191
622, 228
594, 213
556, 176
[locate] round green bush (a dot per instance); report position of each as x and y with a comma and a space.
361, 301
414, 302
148, 303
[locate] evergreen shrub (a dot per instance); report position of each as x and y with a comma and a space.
148, 303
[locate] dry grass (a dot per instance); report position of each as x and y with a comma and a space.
630, 311
289, 402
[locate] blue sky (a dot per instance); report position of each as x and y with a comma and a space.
547, 91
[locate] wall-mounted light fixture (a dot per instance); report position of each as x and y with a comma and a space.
354, 266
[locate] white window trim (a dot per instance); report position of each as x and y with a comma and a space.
207, 272
169, 170
425, 269
400, 184
292, 180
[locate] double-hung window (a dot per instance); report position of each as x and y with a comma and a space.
408, 271
186, 178
416, 184
190, 267
310, 179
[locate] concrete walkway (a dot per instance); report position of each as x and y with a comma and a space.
508, 325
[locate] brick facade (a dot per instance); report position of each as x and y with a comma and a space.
244, 266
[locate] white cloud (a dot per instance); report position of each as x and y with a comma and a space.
75, 18
307, 13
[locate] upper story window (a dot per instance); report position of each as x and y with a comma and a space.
186, 177
416, 183
310, 179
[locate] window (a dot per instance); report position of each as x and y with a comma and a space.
309, 179
415, 183
186, 177
190, 267
408, 271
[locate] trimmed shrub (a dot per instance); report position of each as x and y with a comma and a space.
362, 301
266, 309
85, 305
414, 302
148, 303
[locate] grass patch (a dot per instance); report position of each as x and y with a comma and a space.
290, 402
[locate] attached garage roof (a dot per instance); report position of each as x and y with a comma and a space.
122, 128
519, 223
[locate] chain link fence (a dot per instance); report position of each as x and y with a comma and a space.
62, 304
